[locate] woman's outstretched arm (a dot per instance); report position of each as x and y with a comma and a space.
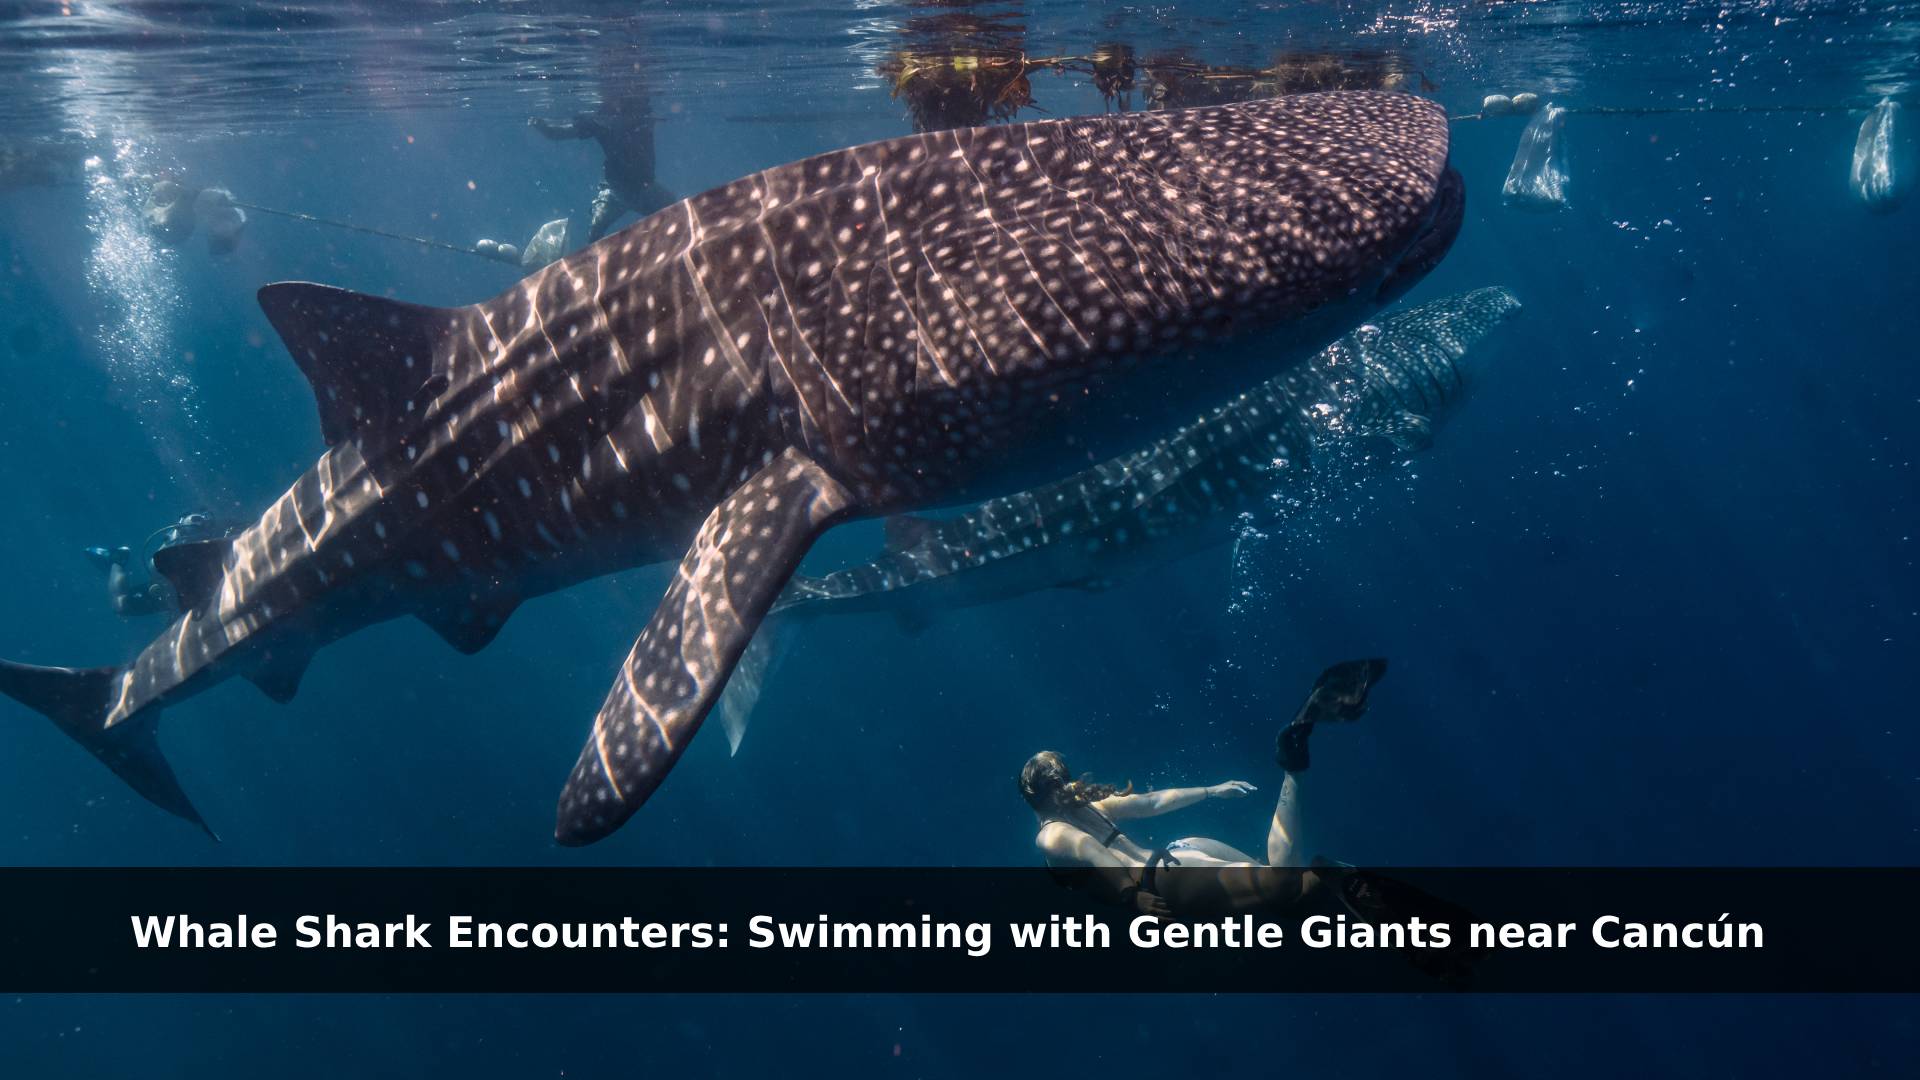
1155, 803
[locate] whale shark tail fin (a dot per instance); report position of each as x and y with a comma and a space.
76, 700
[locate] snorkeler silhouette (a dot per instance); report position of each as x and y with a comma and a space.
1078, 829
623, 126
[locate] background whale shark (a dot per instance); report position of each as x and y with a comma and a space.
1394, 378
910, 323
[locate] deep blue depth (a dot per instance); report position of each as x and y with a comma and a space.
1650, 600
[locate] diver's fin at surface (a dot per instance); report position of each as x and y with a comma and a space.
76, 700
745, 551
367, 357
193, 569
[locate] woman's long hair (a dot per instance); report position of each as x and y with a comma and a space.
1049, 788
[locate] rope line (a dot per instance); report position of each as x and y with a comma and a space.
315, 219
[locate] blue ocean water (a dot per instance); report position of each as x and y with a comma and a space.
1651, 599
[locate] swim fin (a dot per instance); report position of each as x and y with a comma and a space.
107, 558
1339, 695
1378, 899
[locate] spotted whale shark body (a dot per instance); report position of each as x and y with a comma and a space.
1393, 379
911, 323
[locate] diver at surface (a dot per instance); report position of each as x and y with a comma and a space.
1199, 877
623, 126
142, 589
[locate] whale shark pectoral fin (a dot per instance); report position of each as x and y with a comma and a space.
193, 569
757, 664
742, 694
76, 700
745, 551
367, 357
763, 656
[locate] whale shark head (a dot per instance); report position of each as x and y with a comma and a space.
1309, 200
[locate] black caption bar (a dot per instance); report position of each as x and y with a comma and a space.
970, 931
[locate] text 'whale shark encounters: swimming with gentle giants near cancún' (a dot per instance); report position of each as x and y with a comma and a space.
919, 322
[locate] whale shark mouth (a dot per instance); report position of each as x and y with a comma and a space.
1430, 246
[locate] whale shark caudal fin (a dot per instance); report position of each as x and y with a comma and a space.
370, 360
76, 700
745, 551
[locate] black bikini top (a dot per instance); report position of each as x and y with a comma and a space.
1113, 831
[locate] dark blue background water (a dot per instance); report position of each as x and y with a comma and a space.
1651, 599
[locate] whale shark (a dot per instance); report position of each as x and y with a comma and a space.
918, 322
1392, 380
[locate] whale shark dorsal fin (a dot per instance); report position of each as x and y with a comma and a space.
366, 357
745, 551
907, 531
193, 569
